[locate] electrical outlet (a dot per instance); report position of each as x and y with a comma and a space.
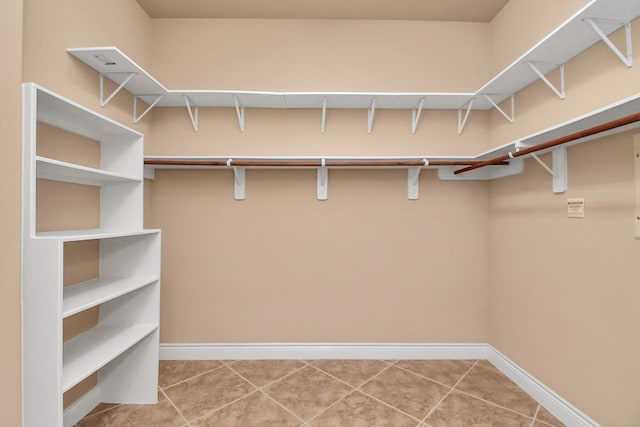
575, 208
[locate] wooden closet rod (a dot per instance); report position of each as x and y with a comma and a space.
631, 118
248, 163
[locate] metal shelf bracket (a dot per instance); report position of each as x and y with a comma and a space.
417, 111
559, 93
137, 118
193, 112
511, 118
323, 181
413, 180
627, 59
371, 114
103, 101
239, 112
463, 121
558, 169
239, 180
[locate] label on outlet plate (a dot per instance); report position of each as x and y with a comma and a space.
575, 208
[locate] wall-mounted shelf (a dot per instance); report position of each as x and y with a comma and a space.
593, 23
68, 172
596, 124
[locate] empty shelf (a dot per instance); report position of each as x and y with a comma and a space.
68, 172
92, 234
88, 294
92, 350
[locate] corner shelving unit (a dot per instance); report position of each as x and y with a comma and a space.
595, 22
123, 347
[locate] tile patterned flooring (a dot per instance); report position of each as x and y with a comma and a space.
417, 393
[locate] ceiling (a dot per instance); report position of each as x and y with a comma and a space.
423, 10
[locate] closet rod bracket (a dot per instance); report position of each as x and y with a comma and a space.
239, 180
323, 181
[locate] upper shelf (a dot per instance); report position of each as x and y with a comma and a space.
571, 38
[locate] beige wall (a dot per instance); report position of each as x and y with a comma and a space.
564, 291
561, 289
521, 24
366, 265
10, 165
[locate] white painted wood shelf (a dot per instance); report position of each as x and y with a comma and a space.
88, 294
123, 347
92, 350
591, 24
57, 170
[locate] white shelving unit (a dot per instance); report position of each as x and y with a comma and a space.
591, 24
123, 348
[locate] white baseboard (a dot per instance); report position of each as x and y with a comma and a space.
555, 404
321, 351
82, 407
552, 401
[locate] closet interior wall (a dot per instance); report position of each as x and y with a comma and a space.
10, 184
561, 289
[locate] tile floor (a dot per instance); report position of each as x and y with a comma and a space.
416, 393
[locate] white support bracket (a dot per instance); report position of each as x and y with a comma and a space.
463, 121
239, 180
323, 124
103, 101
417, 111
626, 59
323, 181
193, 112
559, 93
413, 180
136, 117
239, 112
371, 114
511, 118
558, 169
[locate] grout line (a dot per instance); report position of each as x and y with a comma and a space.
425, 377
533, 421
493, 403
176, 408
353, 390
225, 405
195, 376
260, 389
424, 420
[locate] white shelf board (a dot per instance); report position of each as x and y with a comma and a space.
118, 66
90, 351
82, 296
57, 170
91, 234
65, 114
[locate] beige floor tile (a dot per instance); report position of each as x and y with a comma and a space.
486, 365
358, 410
353, 372
548, 418
263, 372
460, 410
161, 414
102, 407
254, 410
491, 385
445, 371
174, 371
207, 392
307, 392
410, 393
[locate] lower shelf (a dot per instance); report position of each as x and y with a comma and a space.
92, 350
